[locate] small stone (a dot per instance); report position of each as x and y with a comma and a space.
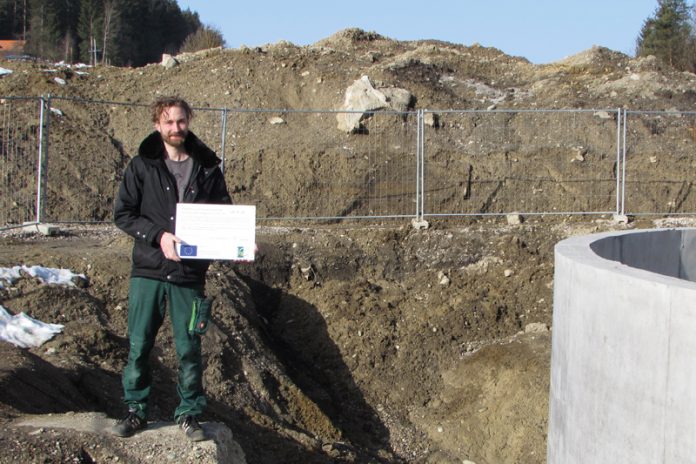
578, 154
276, 120
620, 219
430, 119
514, 219
80, 281
308, 272
508, 272
536, 327
419, 224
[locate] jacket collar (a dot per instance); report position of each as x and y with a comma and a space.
153, 148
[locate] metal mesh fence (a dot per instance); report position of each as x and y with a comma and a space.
20, 133
78, 189
299, 165
324, 173
545, 161
659, 163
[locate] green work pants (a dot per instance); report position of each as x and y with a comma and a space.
147, 300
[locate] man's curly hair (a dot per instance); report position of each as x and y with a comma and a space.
162, 104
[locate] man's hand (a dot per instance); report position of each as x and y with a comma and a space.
168, 245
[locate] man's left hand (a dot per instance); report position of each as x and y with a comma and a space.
168, 243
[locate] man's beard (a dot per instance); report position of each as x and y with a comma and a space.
175, 139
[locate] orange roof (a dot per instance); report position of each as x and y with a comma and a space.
11, 45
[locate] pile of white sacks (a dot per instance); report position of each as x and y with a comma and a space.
22, 330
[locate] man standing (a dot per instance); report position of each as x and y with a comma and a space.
172, 166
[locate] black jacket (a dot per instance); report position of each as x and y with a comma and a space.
146, 206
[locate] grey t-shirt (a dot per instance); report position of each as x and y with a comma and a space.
181, 170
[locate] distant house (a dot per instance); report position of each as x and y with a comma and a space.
11, 47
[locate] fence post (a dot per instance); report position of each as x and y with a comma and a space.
619, 126
223, 136
42, 156
419, 165
623, 163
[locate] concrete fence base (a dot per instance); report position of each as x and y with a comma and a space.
623, 369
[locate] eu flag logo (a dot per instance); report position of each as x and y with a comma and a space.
189, 250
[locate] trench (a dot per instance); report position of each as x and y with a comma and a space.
314, 363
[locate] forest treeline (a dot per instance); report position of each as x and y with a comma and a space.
116, 32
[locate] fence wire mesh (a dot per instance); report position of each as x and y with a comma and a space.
80, 190
296, 164
20, 133
659, 163
496, 162
322, 173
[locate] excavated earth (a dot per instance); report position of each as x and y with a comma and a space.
359, 341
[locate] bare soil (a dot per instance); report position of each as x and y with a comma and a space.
366, 342
338, 344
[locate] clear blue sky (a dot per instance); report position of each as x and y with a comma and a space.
540, 30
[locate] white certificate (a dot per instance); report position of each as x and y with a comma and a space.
216, 231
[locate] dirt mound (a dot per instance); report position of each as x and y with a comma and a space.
342, 342
91, 143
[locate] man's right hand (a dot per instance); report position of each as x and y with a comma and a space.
168, 243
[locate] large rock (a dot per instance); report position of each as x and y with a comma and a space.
161, 441
398, 99
168, 61
362, 97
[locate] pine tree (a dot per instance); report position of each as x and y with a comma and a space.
133, 38
667, 34
89, 29
44, 36
192, 21
6, 20
13, 19
68, 12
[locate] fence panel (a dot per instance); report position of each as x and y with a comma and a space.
445, 163
659, 163
533, 162
20, 132
90, 143
299, 165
